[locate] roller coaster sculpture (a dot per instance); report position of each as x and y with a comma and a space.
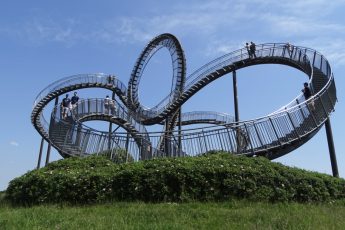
272, 136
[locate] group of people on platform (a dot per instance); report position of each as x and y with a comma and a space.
251, 49
68, 104
109, 105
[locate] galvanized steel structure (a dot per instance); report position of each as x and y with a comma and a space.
272, 136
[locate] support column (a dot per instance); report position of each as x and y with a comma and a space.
166, 136
48, 153
331, 148
179, 132
110, 123
127, 142
109, 134
127, 138
50, 126
40, 154
234, 84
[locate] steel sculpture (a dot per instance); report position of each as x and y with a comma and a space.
272, 136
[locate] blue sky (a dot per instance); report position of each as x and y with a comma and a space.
43, 41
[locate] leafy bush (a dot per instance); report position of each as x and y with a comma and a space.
211, 177
2, 196
118, 155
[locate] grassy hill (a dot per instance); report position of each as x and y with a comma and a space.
212, 177
217, 191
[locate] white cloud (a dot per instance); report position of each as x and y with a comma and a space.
220, 47
14, 143
312, 8
214, 21
199, 18
332, 49
290, 26
39, 31
303, 22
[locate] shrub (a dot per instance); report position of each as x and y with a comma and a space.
118, 155
211, 177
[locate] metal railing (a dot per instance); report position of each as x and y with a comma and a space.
99, 78
170, 42
299, 55
100, 106
204, 117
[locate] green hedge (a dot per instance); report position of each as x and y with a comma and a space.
214, 177
118, 156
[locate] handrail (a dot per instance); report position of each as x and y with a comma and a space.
201, 116
79, 79
209, 68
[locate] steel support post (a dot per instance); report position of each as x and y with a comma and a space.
234, 81
49, 143
127, 142
40, 154
110, 123
179, 132
127, 137
166, 136
48, 153
331, 148
234, 84
109, 134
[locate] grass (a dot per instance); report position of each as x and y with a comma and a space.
131, 215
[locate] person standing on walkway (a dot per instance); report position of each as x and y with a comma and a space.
106, 104
65, 106
252, 49
110, 80
112, 106
74, 100
307, 94
306, 91
289, 49
248, 50
109, 105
